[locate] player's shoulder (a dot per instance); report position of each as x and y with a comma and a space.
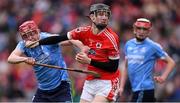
130, 41
110, 32
82, 28
20, 45
46, 34
21, 42
153, 43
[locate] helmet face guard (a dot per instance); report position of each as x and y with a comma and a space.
143, 23
28, 28
142, 28
98, 8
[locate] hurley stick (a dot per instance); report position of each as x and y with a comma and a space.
70, 69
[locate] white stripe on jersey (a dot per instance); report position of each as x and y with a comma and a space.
112, 39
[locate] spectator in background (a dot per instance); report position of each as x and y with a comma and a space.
141, 54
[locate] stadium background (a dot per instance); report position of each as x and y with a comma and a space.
17, 82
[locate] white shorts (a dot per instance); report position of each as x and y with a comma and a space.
105, 88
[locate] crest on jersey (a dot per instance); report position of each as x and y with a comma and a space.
77, 30
80, 29
98, 45
92, 52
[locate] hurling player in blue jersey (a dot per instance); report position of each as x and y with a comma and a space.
53, 85
141, 54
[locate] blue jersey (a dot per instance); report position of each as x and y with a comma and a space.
141, 57
48, 78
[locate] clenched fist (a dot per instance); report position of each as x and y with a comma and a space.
30, 61
83, 58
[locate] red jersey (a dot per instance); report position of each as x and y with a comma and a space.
103, 45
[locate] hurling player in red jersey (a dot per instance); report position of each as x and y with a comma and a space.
102, 57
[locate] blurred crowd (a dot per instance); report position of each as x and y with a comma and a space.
17, 82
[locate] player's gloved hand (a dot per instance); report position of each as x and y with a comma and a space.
31, 44
30, 61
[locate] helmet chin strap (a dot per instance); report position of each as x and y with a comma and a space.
100, 26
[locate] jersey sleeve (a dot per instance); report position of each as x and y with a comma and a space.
20, 46
75, 34
45, 35
113, 54
159, 52
125, 50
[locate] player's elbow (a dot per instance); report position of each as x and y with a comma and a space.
173, 63
170, 61
9, 60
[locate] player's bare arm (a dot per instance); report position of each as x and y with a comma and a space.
123, 78
18, 57
170, 65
